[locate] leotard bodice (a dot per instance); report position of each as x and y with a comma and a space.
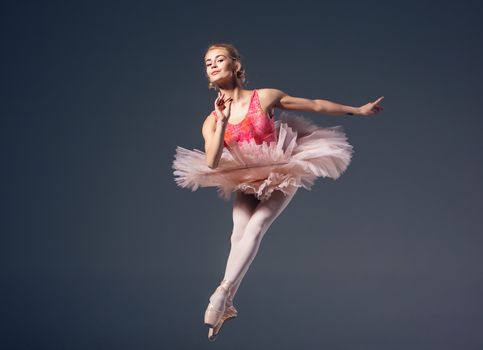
256, 125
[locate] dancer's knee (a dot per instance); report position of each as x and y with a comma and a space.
243, 209
237, 234
255, 229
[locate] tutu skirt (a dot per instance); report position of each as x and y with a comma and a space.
303, 151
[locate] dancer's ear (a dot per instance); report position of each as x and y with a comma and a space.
237, 67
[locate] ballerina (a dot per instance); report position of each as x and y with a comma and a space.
261, 160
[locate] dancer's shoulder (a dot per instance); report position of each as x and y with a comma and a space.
269, 97
209, 124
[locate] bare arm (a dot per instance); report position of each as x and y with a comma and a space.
280, 99
214, 130
213, 133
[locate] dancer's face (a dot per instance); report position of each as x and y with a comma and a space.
219, 66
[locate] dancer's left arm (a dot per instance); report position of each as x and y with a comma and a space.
280, 99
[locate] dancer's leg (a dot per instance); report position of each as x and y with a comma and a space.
245, 250
243, 207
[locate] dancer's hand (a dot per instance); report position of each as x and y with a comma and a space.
220, 106
371, 107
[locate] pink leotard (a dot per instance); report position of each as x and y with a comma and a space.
256, 125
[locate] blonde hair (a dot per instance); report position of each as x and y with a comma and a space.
235, 56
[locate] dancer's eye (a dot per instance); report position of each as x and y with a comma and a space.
219, 60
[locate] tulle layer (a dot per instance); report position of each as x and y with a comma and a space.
303, 151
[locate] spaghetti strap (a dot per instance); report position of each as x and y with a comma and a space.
255, 97
259, 106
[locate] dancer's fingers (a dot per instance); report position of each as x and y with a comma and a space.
379, 100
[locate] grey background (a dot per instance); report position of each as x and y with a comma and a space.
101, 250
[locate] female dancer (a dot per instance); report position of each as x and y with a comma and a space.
264, 162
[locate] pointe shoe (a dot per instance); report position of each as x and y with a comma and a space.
213, 315
230, 313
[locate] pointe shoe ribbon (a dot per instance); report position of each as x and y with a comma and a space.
213, 315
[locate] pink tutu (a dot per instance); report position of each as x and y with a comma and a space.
303, 151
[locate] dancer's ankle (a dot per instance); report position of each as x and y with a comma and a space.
229, 301
226, 286
221, 294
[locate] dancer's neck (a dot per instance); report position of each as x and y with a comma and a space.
236, 93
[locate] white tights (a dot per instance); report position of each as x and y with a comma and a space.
251, 220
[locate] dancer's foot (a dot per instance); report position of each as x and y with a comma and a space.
229, 314
217, 306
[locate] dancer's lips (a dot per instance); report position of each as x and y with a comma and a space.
215, 72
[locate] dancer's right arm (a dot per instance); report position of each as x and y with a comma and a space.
214, 130
213, 133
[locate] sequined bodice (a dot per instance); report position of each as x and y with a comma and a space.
256, 125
